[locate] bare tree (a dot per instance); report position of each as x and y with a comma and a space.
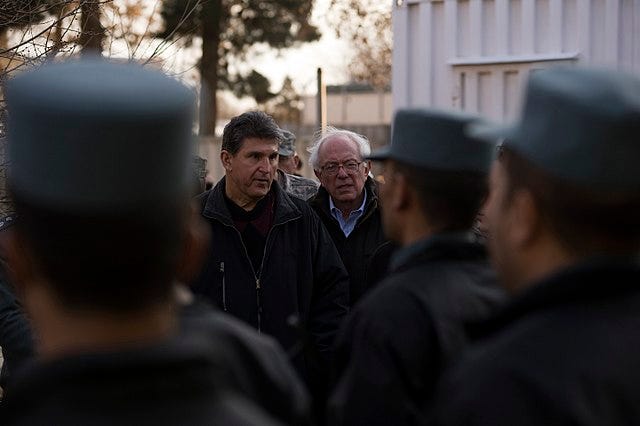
367, 25
34, 31
92, 33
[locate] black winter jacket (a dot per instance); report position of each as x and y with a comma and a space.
299, 296
256, 367
177, 382
400, 337
564, 352
357, 249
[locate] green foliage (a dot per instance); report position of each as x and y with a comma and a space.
242, 25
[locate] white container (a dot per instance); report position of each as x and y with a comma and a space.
475, 55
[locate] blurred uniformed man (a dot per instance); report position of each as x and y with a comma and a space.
288, 165
96, 251
564, 234
288, 159
400, 336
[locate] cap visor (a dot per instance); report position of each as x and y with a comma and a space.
381, 154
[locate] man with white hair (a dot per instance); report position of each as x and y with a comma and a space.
347, 201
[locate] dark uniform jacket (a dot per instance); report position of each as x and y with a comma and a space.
175, 383
299, 296
255, 365
565, 352
401, 336
357, 249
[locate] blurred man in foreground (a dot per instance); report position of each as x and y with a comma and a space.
564, 234
97, 249
399, 337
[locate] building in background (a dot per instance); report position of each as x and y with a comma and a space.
475, 55
357, 107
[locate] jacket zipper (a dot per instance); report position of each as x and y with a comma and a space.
259, 304
224, 288
259, 275
256, 276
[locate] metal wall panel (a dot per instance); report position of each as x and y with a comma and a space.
475, 55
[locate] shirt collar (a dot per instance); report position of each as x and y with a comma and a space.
333, 209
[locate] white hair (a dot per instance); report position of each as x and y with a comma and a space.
320, 138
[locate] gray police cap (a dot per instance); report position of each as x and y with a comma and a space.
580, 125
79, 131
436, 139
287, 145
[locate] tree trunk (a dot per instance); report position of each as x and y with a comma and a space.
92, 32
4, 39
211, 15
56, 36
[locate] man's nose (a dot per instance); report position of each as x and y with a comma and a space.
265, 165
342, 172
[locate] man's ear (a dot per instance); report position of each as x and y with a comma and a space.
367, 167
194, 248
525, 219
225, 159
401, 196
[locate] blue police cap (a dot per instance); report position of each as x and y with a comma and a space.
580, 125
437, 140
93, 135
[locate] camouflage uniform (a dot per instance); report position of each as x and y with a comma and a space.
298, 186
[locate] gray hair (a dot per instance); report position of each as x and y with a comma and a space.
320, 138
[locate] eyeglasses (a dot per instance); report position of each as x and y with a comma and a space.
348, 166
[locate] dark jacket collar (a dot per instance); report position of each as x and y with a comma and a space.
185, 351
448, 246
321, 200
216, 208
592, 280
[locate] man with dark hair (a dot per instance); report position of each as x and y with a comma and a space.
564, 234
400, 336
96, 251
274, 265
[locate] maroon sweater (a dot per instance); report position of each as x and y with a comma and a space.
254, 226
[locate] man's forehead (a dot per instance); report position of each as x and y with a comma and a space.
259, 145
339, 145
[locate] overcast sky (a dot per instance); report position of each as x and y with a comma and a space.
301, 63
